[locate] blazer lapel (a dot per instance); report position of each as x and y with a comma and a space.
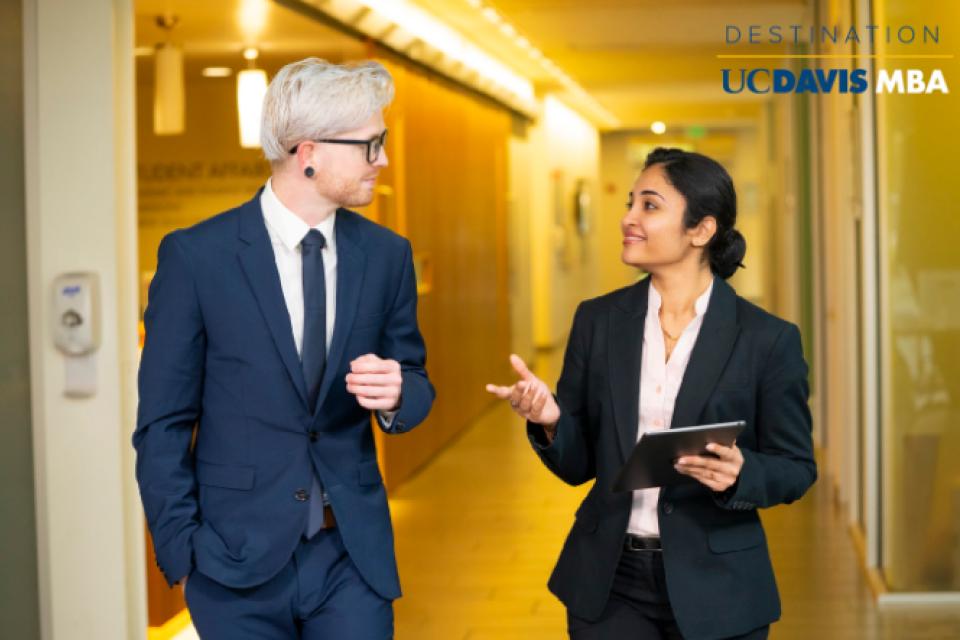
351, 262
709, 356
260, 267
625, 356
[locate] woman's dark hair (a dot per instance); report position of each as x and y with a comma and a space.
709, 191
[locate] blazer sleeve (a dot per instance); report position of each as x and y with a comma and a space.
170, 385
571, 454
782, 467
402, 342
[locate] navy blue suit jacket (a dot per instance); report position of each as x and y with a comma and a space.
220, 354
745, 365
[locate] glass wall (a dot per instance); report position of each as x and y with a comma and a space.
920, 307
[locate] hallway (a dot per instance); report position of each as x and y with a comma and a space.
478, 531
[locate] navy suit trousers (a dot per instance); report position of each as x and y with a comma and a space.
318, 595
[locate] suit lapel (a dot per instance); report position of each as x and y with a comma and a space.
624, 358
260, 267
351, 262
709, 356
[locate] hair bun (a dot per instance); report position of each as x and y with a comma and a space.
727, 252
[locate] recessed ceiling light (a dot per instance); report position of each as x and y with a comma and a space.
658, 128
491, 14
217, 72
251, 88
252, 16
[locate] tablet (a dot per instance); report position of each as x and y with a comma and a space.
651, 462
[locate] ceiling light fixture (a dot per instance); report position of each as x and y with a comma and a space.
443, 39
217, 72
251, 89
169, 95
406, 27
491, 15
252, 17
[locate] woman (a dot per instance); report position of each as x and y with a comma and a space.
676, 349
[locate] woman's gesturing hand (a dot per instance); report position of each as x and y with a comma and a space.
529, 397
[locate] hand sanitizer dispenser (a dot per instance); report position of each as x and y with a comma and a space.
76, 329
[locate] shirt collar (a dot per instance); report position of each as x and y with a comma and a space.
700, 306
287, 225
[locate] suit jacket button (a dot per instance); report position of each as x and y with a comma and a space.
313, 436
301, 495
668, 508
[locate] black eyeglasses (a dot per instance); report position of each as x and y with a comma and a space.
374, 145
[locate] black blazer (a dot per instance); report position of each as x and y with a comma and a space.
746, 365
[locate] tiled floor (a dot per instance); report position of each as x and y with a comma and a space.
187, 634
477, 534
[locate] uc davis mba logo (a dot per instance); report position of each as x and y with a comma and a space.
834, 37
761, 80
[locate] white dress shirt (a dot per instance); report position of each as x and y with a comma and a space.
286, 231
659, 384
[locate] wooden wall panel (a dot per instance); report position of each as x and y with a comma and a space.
453, 163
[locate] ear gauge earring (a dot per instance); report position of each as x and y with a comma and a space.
309, 172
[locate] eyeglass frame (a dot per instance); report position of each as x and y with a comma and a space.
371, 156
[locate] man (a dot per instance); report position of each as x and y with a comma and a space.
276, 328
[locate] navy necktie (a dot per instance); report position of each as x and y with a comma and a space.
313, 349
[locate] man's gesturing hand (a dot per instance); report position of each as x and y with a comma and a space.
375, 382
529, 397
